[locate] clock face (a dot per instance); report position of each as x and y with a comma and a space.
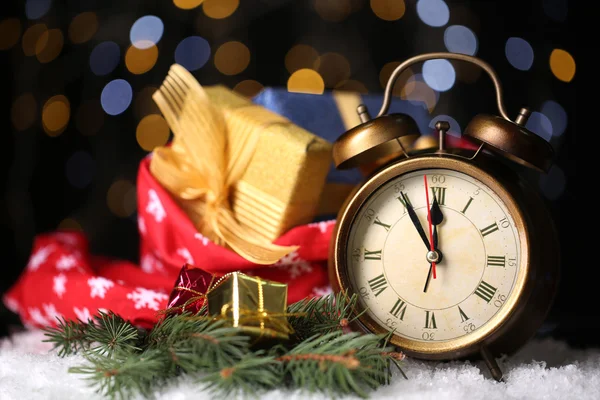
478, 252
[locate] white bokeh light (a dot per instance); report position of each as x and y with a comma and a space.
116, 96
433, 12
146, 32
460, 39
439, 74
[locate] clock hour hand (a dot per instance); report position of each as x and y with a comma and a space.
415, 220
436, 217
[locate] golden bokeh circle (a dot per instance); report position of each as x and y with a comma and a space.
187, 4
562, 65
139, 61
419, 91
386, 73
152, 131
120, 198
69, 224
83, 27
306, 80
90, 117
231, 58
388, 10
300, 56
352, 85
248, 88
334, 68
55, 115
10, 32
219, 9
49, 45
29, 42
333, 10
23, 112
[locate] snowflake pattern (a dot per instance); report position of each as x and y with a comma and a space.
59, 285
201, 238
186, 255
36, 316
295, 265
51, 313
322, 225
146, 298
141, 225
99, 286
155, 207
82, 314
322, 291
39, 257
149, 263
65, 263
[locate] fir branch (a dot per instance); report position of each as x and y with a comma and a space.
112, 333
68, 337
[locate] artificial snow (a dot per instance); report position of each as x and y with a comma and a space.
543, 369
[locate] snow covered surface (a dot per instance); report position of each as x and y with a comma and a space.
543, 369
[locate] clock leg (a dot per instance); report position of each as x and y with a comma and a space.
491, 363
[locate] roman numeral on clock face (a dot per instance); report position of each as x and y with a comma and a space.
399, 309
485, 291
489, 229
463, 316
378, 222
440, 194
430, 320
372, 255
496, 261
464, 210
378, 285
404, 203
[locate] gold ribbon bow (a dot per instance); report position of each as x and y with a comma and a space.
208, 155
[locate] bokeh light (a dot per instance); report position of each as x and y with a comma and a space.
300, 56
219, 9
386, 73
23, 112
352, 85
519, 53
454, 126
83, 27
332, 10
248, 88
460, 39
35, 9
146, 31
55, 115
388, 10
334, 68
30, 38
433, 12
553, 183
80, 168
49, 45
104, 58
152, 131
187, 4
192, 53
139, 61
439, 74
306, 81
69, 224
419, 93
556, 9
557, 116
562, 65
231, 58
90, 117
540, 124
121, 198
10, 32
116, 96
144, 104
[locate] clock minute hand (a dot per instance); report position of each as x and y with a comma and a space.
415, 220
436, 217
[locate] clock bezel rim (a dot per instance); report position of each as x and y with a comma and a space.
466, 344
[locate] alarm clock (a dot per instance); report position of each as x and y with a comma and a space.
450, 251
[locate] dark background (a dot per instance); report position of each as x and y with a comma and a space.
67, 178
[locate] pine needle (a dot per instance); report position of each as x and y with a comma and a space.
69, 337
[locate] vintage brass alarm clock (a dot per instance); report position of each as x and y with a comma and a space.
453, 251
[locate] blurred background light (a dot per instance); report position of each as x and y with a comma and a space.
540, 124
146, 31
23, 112
460, 39
55, 115
10, 32
439, 74
187, 4
90, 117
104, 58
562, 65
152, 131
300, 56
418, 92
433, 12
557, 116
231, 58
333, 68
352, 85
248, 88
30, 38
139, 61
83, 27
35, 9
116, 96
454, 126
519, 53
386, 73
121, 198
388, 10
556, 9
49, 45
219, 9
332, 10
79, 169
192, 53
306, 81
553, 183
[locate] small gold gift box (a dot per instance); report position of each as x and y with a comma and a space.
256, 306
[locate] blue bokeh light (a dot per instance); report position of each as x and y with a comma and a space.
557, 116
460, 39
116, 96
433, 12
104, 58
553, 183
539, 124
146, 32
35, 9
519, 53
192, 53
439, 74
80, 169
454, 126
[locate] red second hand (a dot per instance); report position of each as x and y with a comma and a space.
429, 220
